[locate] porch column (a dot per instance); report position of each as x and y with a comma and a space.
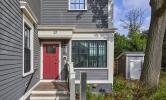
70, 50
110, 56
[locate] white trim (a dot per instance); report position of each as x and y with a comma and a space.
27, 94
127, 77
26, 20
41, 62
28, 11
86, 6
70, 50
93, 81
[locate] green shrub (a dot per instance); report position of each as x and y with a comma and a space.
131, 90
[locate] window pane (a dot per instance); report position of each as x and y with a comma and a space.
51, 49
77, 4
89, 53
82, 1
73, 1
27, 62
82, 6
26, 36
27, 52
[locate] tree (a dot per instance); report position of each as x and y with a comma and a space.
121, 44
137, 42
153, 55
133, 20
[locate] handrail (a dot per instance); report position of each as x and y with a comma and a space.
71, 80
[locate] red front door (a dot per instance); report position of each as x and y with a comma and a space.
50, 61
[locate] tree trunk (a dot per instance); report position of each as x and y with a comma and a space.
153, 55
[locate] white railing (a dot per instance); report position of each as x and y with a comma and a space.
71, 80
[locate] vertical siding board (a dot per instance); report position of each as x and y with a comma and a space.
12, 83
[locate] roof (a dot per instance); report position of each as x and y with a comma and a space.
129, 53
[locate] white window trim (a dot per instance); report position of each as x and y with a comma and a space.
86, 8
29, 23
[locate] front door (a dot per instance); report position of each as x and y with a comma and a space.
50, 61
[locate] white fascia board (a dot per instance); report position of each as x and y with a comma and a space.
28, 11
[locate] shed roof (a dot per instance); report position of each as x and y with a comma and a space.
129, 53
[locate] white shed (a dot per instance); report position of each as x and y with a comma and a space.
129, 64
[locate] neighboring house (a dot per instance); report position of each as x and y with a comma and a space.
129, 64
38, 38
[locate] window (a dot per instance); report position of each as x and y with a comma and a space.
51, 49
77, 4
28, 30
27, 51
89, 54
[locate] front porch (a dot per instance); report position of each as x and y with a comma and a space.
56, 89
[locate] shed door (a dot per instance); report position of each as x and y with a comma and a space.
135, 67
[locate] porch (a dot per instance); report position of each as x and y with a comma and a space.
56, 89
51, 91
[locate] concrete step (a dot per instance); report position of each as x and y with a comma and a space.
49, 98
50, 95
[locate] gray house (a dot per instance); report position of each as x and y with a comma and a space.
45, 42
129, 64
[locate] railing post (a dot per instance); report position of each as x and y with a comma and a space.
72, 81
83, 79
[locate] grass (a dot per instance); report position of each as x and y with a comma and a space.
129, 90
161, 91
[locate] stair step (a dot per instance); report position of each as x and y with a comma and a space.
50, 92
49, 98
49, 95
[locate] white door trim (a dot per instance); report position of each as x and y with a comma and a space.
41, 62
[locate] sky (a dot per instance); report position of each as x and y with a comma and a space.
121, 7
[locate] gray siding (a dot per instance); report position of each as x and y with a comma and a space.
93, 74
55, 12
12, 84
35, 5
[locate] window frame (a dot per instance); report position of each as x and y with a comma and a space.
27, 22
90, 67
69, 7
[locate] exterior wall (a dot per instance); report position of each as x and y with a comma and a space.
122, 66
55, 12
35, 6
12, 83
93, 74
